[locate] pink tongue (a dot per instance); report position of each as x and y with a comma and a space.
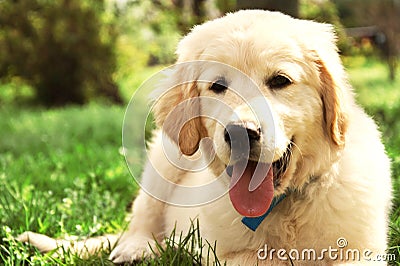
251, 190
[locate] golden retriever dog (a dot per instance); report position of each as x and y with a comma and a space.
259, 106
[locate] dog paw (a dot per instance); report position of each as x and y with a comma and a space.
133, 249
42, 242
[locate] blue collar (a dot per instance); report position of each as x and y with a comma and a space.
254, 222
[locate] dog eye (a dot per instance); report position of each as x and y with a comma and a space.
219, 86
279, 81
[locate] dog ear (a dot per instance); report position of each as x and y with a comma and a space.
334, 88
177, 110
333, 100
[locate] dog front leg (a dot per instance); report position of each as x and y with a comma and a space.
145, 226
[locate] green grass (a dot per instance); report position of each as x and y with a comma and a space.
59, 168
61, 172
381, 99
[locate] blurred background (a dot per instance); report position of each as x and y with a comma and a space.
63, 52
69, 67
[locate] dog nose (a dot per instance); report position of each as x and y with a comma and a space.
239, 135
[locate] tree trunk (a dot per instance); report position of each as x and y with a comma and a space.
392, 63
290, 7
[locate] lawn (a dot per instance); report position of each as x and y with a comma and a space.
62, 172
381, 99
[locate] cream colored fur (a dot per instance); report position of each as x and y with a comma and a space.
338, 177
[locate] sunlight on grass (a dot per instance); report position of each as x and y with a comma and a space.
62, 173
371, 83
129, 84
381, 99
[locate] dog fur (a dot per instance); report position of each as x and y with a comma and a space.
337, 180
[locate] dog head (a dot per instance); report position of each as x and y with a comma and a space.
285, 95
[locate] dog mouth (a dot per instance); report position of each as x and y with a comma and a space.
253, 183
280, 166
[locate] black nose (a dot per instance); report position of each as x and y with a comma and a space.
238, 135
